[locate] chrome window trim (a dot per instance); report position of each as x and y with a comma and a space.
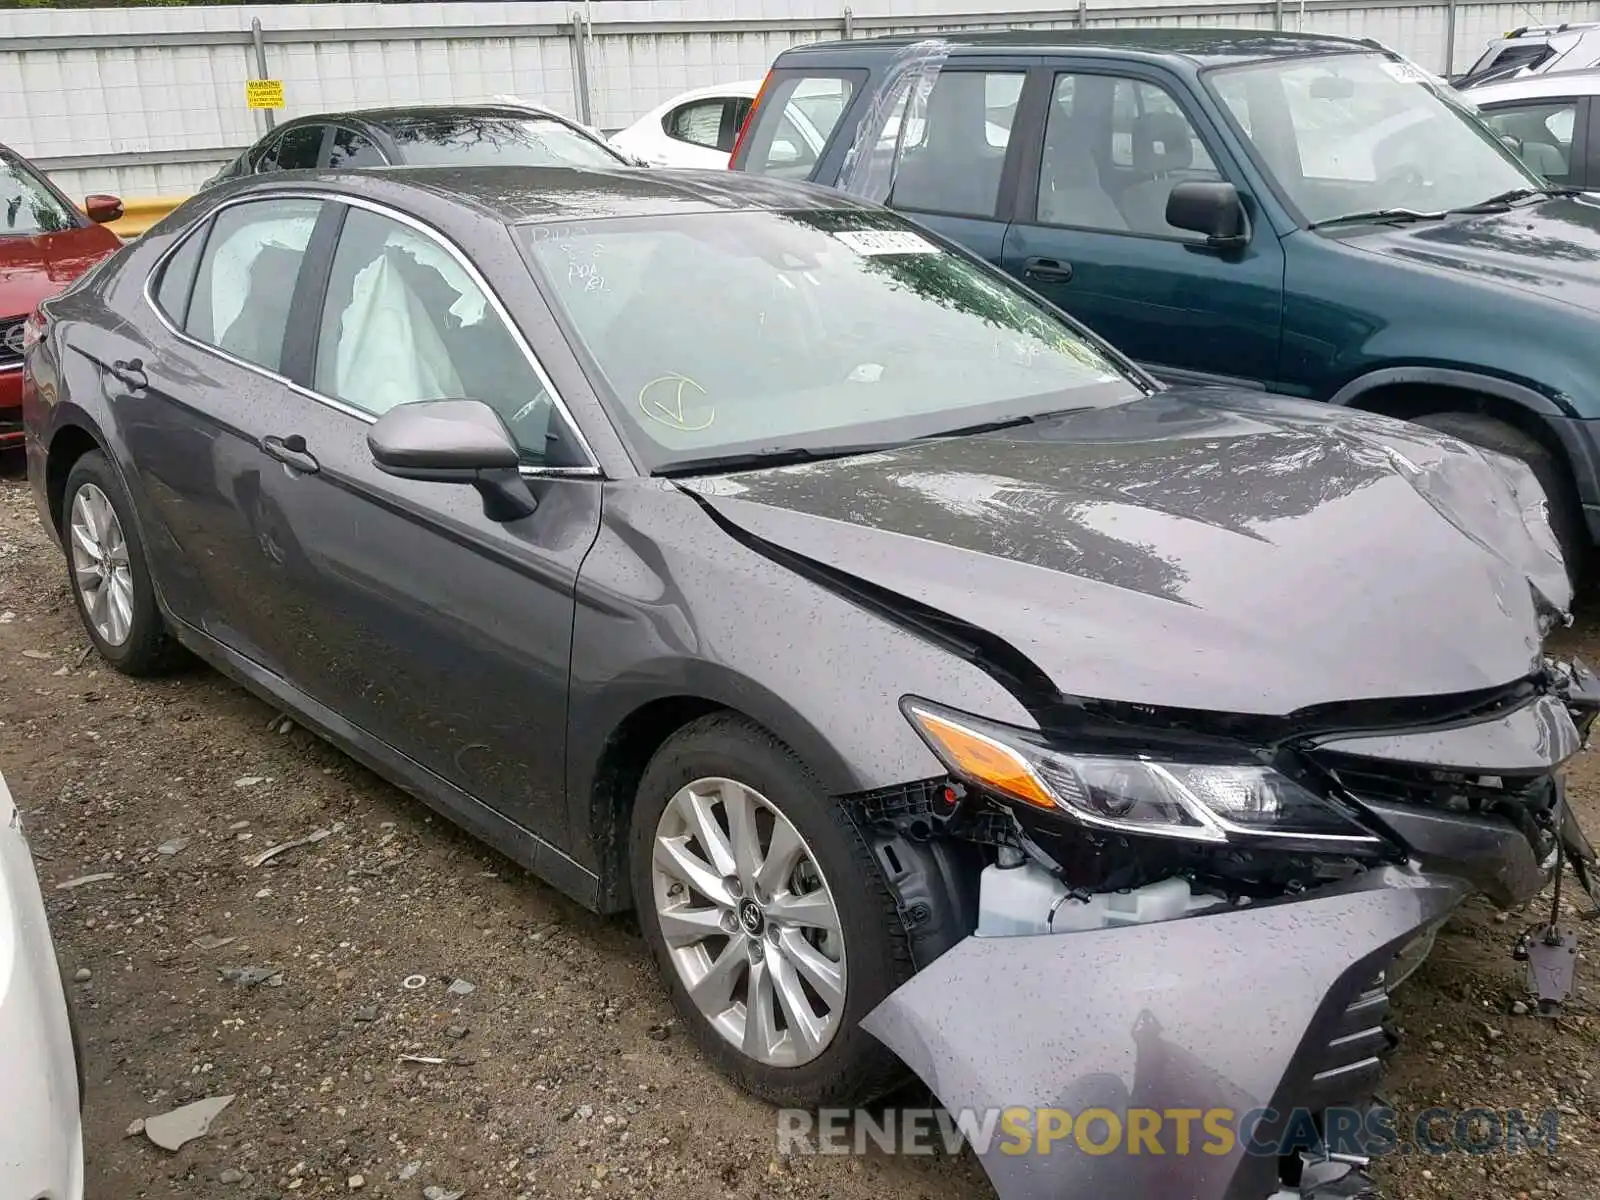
591, 470
4, 367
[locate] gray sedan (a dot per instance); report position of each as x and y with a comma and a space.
938, 689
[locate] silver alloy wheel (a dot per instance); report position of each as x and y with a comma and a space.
749, 922
100, 565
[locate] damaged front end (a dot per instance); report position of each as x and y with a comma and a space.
1207, 914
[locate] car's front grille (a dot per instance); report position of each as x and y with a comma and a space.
1499, 832
1452, 791
11, 342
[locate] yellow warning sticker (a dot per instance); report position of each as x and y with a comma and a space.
263, 93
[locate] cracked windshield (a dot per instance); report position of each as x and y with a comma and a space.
1360, 133
843, 329
26, 205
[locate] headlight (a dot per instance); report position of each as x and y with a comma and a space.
1157, 797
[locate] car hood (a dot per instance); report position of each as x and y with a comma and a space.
35, 268
1196, 549
1552, 248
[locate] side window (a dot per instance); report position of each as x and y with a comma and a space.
1114, 150
262, 155
738, 110
797, 119
350, 149
952, 155
1541, 134
244, 286
1142, 112
177, 278
296, 150
403, 321
699, 123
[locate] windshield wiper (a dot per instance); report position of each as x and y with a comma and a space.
1378, 215
784, 456
770, 456
1004, 423
1506, 199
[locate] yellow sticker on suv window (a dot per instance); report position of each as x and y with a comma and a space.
886, 241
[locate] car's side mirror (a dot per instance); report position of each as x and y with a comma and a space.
454, 441
1213, 209
102, 209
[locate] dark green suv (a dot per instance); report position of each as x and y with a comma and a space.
1311, 215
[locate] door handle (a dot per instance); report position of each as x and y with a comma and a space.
129, 373
1047, 268
291, 452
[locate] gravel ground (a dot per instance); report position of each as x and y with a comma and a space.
559, 1071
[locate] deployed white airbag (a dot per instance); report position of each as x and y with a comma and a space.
389, 349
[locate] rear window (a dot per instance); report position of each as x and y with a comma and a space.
481, 139
796, 122
1505, 58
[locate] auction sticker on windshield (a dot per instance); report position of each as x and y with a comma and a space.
1405, 72
886, 241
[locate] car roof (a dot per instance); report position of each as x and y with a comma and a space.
1202, 47
1584, 82
746, 88
401, 114
1546, 31
523, 195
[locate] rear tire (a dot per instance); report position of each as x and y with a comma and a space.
1566, 514
708, 769
108, 573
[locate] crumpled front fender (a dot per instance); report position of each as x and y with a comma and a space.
1231, 1011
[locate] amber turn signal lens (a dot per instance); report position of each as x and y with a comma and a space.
984, 761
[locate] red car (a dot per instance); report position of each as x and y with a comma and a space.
46, 242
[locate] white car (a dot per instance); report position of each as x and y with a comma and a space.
1549, 118
1535, 50
693, 129
41, 1131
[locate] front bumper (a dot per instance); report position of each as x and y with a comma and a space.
10, 406
1271, 1007
41, 1132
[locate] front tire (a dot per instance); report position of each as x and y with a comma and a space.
108, 572
770, 924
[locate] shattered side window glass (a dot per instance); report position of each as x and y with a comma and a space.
899, 105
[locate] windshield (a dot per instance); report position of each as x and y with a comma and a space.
485, 140
27, 206
725, 333
1356, 133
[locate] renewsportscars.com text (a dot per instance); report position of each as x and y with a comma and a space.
1372, 1132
